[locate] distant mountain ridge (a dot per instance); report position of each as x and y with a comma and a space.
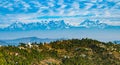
37, 25
90, 24
25, 40
51, 25
117, 41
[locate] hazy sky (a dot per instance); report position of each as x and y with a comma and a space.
73, 11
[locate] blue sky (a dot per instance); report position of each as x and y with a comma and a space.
72, 11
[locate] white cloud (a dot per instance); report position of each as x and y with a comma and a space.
26, 6
88, 5
7, 5
107, 13
117, 6
75, 5
63, 6
59, 11
60, 2
94, 1
37, 4
100, 0
51, 4
3, 25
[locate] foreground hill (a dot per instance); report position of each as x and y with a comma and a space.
65, 52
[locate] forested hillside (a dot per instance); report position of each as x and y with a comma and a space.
65, 52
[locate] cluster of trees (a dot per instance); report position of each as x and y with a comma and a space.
62, 52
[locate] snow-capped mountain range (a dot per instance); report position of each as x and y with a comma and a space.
88, 24
51, 25
37, 26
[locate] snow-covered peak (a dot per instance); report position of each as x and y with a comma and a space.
52, 25
16, 24
38, 25
88, 24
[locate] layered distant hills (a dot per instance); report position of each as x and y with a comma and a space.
51, 25
33, 40
26, 40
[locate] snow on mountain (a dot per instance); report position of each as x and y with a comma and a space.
16, 25
58, 24
51, 25
38, 25
92, 24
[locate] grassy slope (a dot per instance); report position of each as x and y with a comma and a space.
66, 52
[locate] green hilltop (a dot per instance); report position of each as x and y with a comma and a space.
63, 52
